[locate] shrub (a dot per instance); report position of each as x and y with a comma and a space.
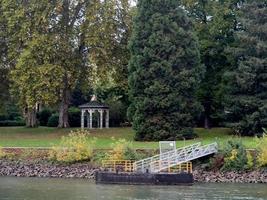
122, 150
74, 117
262, 147
186, 134
12, 123
44, 116
235, 156
53, 120
98, 157
2, 153
250, 161
74, 147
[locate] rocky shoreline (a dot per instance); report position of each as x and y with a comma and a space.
255, 176
46, 170
87, 171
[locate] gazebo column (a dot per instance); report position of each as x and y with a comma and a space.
90, 119
107, 118
101, 118
82, 119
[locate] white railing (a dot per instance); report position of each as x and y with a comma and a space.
171, 158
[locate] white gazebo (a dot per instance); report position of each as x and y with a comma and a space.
94, 108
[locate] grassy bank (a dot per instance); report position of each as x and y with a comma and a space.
47, 137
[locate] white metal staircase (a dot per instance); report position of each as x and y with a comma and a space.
175, 157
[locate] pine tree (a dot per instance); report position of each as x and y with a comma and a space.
163, 71
247, 84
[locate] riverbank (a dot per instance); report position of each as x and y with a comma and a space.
86, 170
253, 176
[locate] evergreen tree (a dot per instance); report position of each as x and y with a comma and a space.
163, 71
215, 24
247, 84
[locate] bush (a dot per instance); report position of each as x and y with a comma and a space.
74, 147
122, 150
235, 156
262, 147
2, 153
186, 134
74, 117
53, 120
12, 123
44, 116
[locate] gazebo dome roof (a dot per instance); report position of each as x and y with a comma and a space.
94, 104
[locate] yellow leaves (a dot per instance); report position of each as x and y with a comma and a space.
250, 160
37, 77
119, 148
74, 147
2, 153
233, 154
262, 147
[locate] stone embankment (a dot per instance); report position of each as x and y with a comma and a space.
86, 170
43, 169
255, 176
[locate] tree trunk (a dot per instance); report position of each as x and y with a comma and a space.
207, 122
63, 121
31, 120
207, 109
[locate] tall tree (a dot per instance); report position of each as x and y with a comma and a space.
28, 20
215, 23
246, 101
23, 21
163, 71
108, 28
37, 76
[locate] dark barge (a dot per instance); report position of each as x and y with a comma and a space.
131, 178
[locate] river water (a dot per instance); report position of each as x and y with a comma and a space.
12, 188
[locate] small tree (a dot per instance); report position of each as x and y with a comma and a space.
163, 71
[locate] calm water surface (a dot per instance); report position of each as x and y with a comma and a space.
72, 189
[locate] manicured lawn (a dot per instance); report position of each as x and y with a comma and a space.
47, 137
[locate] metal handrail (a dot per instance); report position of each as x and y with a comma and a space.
174, 157
145, 163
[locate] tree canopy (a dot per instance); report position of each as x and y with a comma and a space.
164, 71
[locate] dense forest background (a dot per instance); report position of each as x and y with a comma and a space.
54, 55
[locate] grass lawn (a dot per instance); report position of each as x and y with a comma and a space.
47, 137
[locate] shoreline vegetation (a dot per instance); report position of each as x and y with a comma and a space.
76, 156
87, 170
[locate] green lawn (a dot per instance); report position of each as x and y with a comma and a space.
46, 137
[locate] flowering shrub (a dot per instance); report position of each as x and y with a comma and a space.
72, 148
